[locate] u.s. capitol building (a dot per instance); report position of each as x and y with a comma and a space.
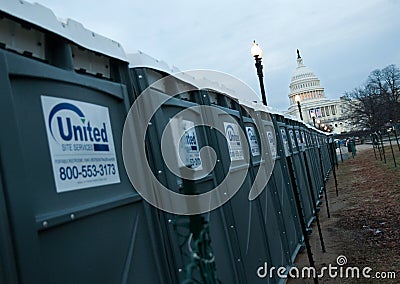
306, 88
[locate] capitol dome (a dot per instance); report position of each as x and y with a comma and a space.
304, 83
302, 72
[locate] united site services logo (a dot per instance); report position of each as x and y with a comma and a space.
81, 144
250, 134
69, 126
233, 137
254, 147
191, 141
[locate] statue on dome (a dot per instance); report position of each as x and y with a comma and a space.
298, 54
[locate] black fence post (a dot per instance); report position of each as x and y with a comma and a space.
201, 257
340, 151
333, 148
378, 145
397, 140
332, 159
373, 145
314, 202
323, 182
391, 147
300, 213
383, 148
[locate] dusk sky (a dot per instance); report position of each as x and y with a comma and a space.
342, 41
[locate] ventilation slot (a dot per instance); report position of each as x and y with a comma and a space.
22, 39
86, 61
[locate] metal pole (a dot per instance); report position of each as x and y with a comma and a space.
299, 107
340, 151
397, 140
373, 146
321, 238
259, 68
300, 213
323, 182
313, 119
333, 149
383, 149
199, 245
377, 144
391, 147
333, 166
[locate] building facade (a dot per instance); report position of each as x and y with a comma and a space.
307, 89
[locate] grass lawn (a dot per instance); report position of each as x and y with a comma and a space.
365, 218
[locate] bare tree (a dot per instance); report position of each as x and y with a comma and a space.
376, 102
363, 108
391, 77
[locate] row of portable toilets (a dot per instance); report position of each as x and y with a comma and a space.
69, 210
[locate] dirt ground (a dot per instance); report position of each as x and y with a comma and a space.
365, 219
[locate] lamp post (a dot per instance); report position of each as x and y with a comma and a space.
257, 53
297, 99
313, 118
